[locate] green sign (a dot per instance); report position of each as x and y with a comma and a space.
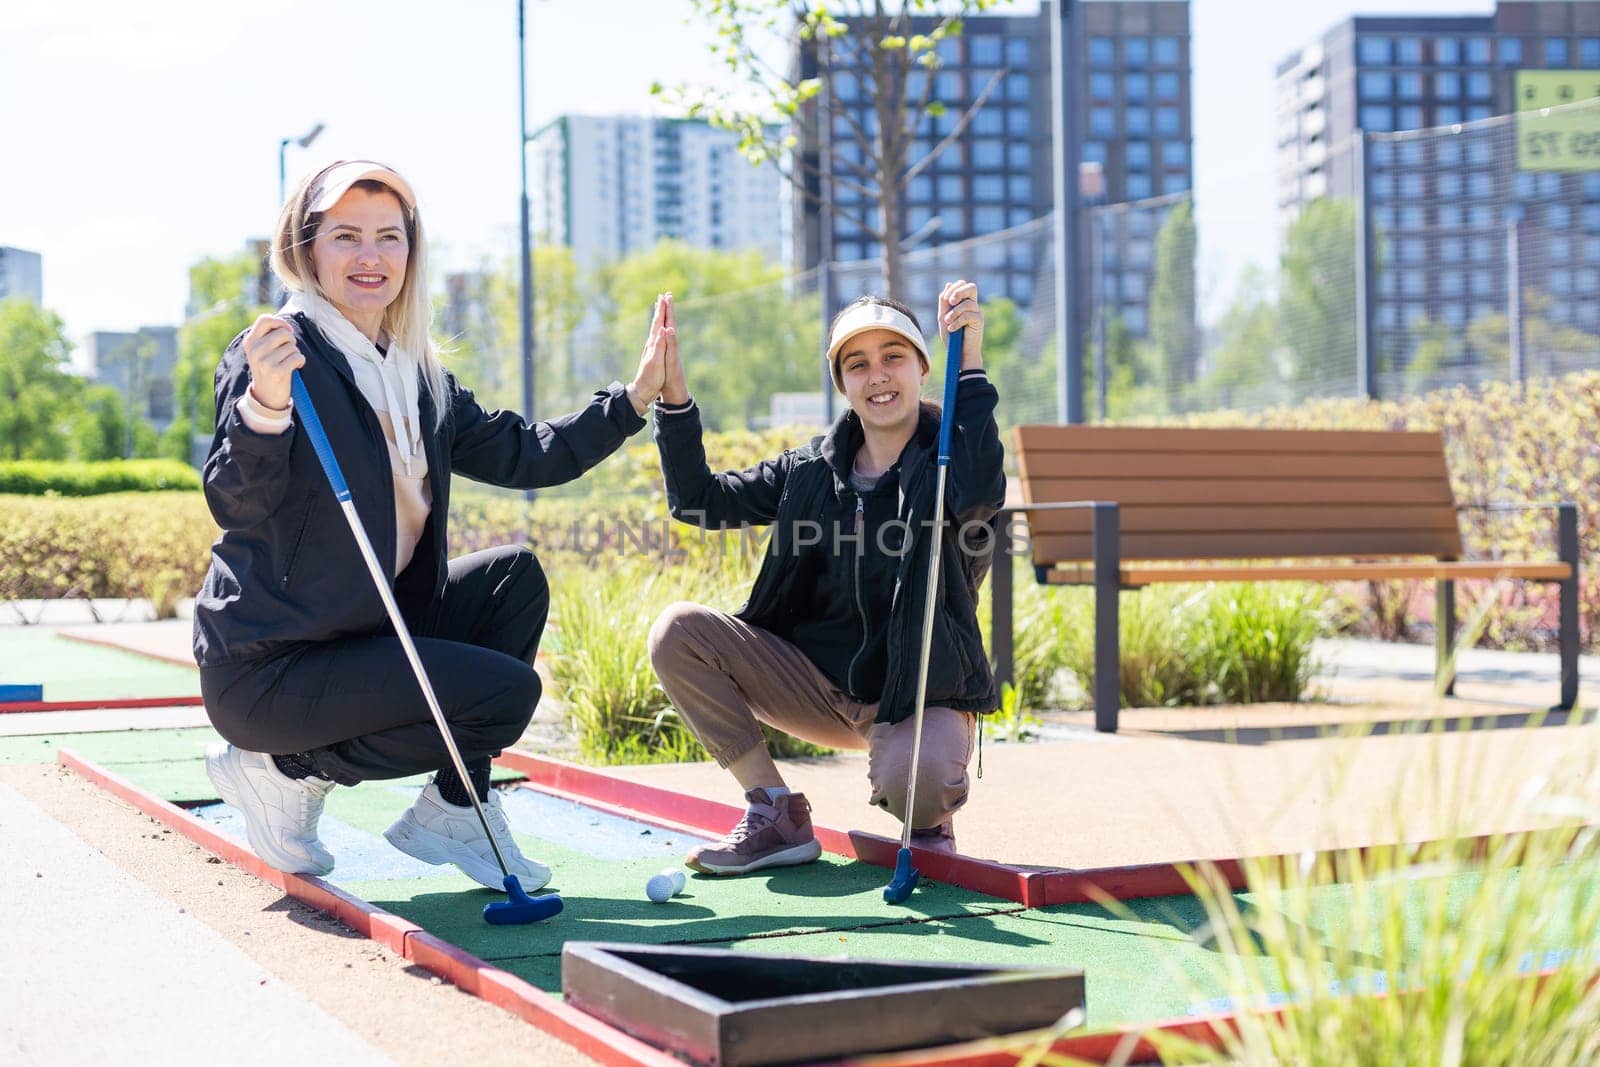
1556, 128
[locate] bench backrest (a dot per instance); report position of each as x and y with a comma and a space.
1196, 494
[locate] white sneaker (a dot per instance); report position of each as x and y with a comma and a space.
280, 813
435, 831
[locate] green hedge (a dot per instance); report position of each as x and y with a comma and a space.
153, 545
37, 477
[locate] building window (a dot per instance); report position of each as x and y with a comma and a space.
1480, 86
1479, 112
1133, 317
951, 189
1447, 115
1413, 283
1408, 50
1483, 283
1447, 51
1136, 87
1483, 249
988, 188
1102, 86
1447, 83
1175, 153
1480, 185
1167, 121
1019, 155
844, 86
1164, 51
1095, 151
1174, 183
952, 158
1017, 216
988, 220
1016, 52
1018, 87
1410, 117
1447, 152
1408, 86
1378, 51
1136, 120
1481, 216
1376, 85
1381, 153
1020, 188
1382, 186
1560, 249
1412, 153
1375, 118
1452, 283
1138, 186
1555, 52
1133, 285
1558, 216
1411, 185
988, 123
1412, 218
1102, 52
1167, 86
1510, 51
1138, 252
920, 191
1591, 218
983, 50
1135, 51
1138, 155
1589, 53
989, 154
947, 87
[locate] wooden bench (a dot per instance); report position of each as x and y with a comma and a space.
1123, 507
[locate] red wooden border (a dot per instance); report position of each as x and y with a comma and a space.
406, 939
104, 703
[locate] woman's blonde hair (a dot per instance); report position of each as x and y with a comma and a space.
408, 318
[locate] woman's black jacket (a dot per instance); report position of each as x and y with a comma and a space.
286, 568
803, 486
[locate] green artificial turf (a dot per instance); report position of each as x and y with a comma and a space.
75, 670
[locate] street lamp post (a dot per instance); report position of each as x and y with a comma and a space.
303, 141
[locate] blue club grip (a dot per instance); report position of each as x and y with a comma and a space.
319, 439
952, 375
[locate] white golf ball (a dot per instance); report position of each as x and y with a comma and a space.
664, 886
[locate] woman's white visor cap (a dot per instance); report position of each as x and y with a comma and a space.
864, 317
340, 177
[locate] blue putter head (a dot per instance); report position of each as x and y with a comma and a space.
519, 909
898, 891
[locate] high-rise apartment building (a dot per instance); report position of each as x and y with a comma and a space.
21, 275
609, 185
139, 365
1132, 89
1449, 210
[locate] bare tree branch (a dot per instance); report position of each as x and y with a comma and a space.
960, 127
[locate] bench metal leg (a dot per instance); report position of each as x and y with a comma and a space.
1107, 586
1001, 614
1444, 637
1567, 546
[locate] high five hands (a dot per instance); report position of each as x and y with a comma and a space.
958, 308
660, 372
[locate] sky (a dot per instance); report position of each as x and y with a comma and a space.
140, 137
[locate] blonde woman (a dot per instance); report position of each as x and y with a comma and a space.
299, 668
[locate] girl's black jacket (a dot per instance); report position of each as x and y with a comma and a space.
286, 568
806, 489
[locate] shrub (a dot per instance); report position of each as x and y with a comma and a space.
1505, 442
152, 545
45, 477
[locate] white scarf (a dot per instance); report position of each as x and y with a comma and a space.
389, 384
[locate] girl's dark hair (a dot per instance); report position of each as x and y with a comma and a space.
873, 298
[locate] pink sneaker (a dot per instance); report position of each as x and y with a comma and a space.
775, 832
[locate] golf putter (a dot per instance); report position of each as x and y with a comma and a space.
898, 891
519, 907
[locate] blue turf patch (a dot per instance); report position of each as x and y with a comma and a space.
360, 856
591, 832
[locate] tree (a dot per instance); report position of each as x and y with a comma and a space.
1244, 370
102, 429
1172, 302
560, 303
1489, 337
743, 332
37, 394
222, 305
877, 43
1318, 307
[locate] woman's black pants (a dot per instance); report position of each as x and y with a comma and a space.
355, 706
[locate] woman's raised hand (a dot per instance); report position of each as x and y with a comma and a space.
674, 389
273, 356
652, 373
